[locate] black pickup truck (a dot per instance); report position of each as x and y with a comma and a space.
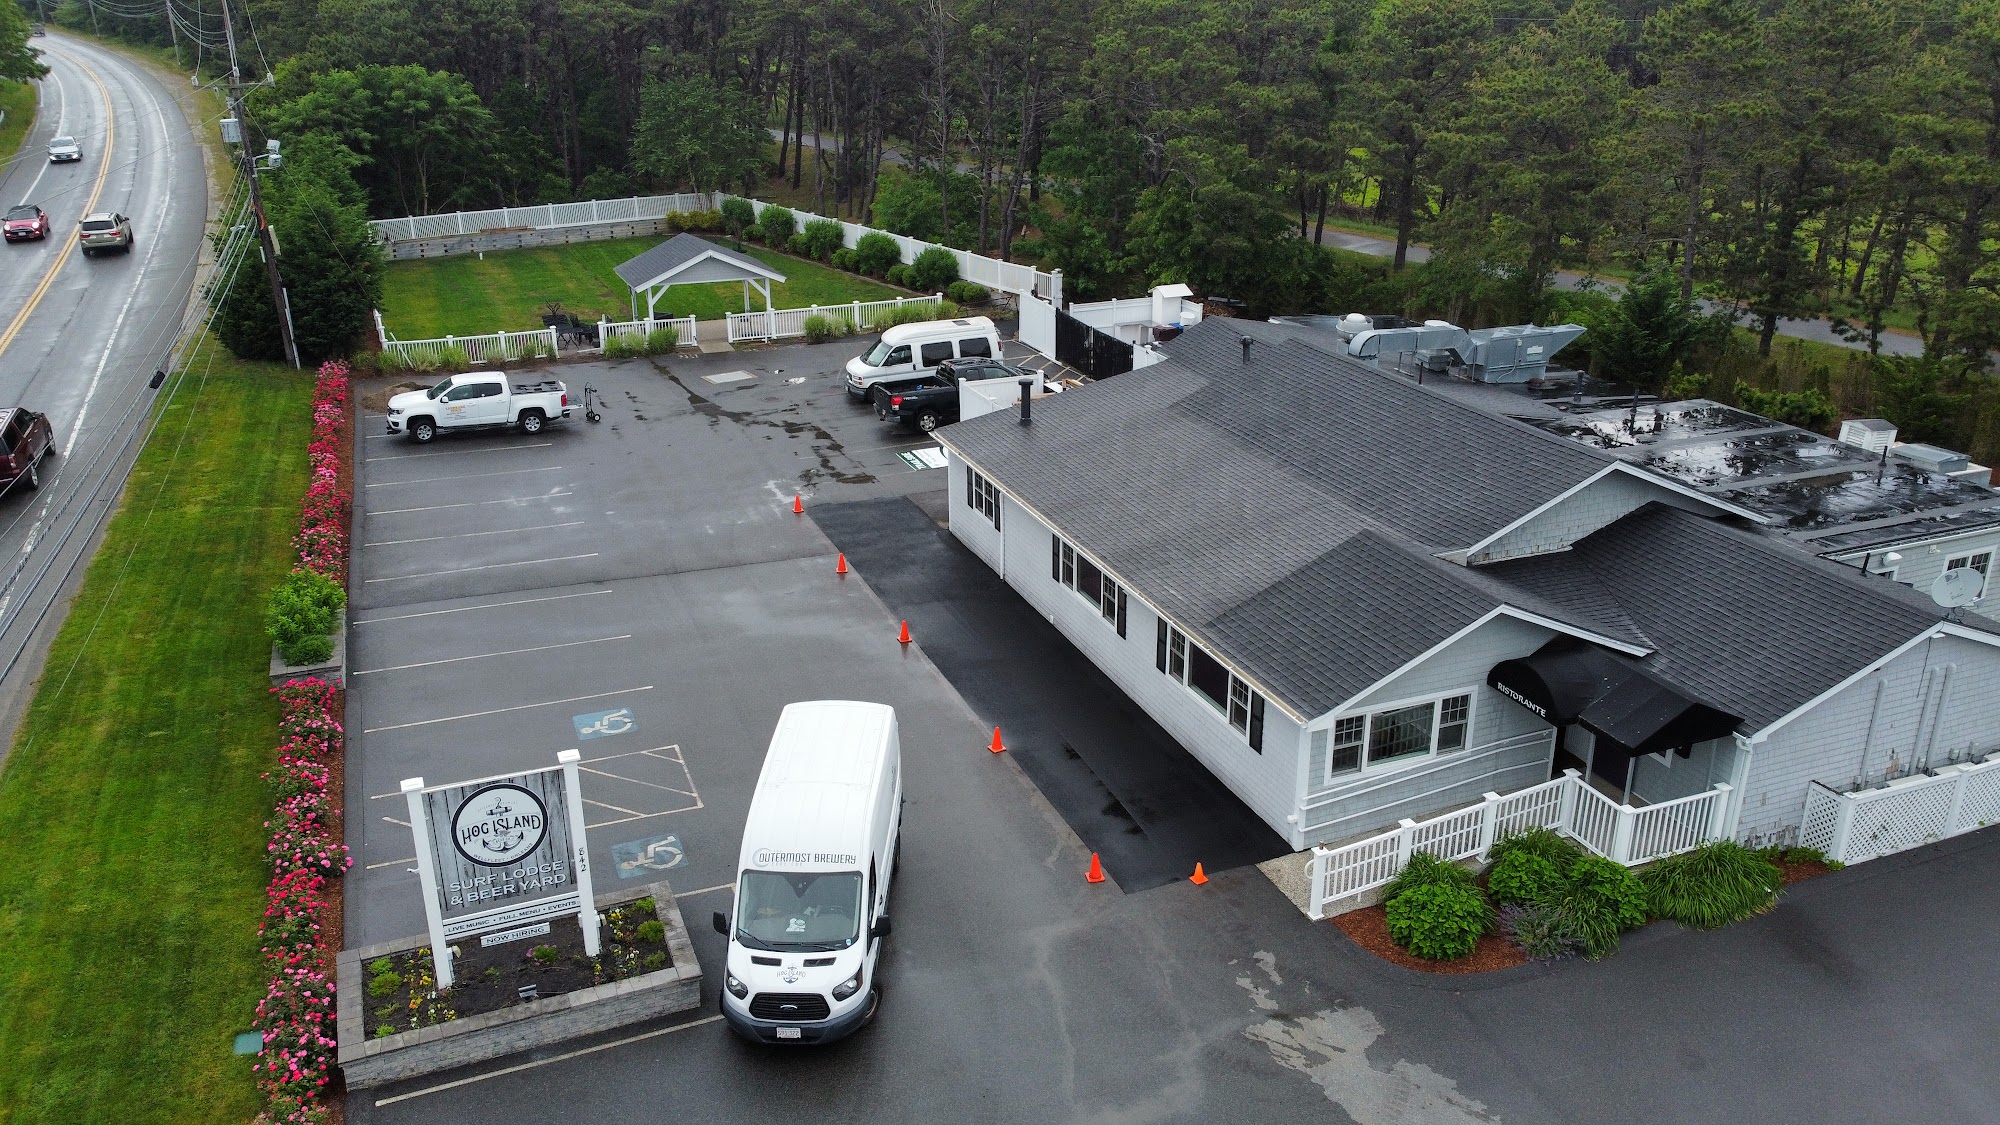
932, 400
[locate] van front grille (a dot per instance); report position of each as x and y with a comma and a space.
789, 1007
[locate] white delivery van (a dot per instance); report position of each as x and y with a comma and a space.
812, 884
912, 351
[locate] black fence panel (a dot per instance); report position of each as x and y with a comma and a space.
1094, 353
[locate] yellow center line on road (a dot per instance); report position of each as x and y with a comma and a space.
69, 244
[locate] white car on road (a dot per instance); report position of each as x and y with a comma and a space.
480, 400
63, 150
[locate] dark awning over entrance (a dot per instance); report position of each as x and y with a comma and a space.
1573, 681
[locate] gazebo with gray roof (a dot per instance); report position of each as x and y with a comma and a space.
685, 259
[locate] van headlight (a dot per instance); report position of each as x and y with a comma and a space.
848, 987
736, 987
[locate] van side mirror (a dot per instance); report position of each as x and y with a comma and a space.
881, 927
721, 922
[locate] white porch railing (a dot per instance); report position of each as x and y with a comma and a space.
496, 347
540, 216
778, 324
635, 331
1566, 804
1906, 813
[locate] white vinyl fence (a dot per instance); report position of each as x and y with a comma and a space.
1905, 813
634, 332
494, 347
778, 324
541, 216
990, 272
1566, 804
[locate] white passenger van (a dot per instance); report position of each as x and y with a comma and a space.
911, 351
812, 891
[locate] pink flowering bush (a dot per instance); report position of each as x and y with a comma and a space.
322, 538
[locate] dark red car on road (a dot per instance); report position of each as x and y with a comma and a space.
25, 438
25, 222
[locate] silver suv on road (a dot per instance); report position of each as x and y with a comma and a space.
63, 150
105, 230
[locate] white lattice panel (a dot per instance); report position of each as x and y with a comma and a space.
1898, 819
1821, 816
1980, 806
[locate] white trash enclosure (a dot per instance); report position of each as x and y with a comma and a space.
1905, 813
1568, 805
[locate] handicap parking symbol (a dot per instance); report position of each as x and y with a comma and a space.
603, 724
636, 858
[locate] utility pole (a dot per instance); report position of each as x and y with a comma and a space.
256, 196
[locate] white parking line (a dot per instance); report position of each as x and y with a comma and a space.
470, 569
456, 452
518, 1067
560, 492
505, 710
413, 859
470, 608
471, 534
678, 895
464, 476
487, 655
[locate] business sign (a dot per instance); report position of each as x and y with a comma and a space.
501, 852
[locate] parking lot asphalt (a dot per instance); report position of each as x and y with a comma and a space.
698, 605
1122, 783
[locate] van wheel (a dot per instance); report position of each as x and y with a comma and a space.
422, 430
927, 421
531, 421
874, 1005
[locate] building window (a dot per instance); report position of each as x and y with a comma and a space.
1981, 561
1433, 727
1232, 696
1071, 568
982, 496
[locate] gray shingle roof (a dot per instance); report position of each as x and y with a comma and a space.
680, 250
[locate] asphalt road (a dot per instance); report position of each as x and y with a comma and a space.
653, 563
80, 337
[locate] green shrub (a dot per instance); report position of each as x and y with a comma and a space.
1545, 842
303, 610
906, 313
646, 906
1524, 878
776, 225
1439, 920
677, 221
820, 329
1712, 886
384, 1031
545, 954
967, 293
843, 259
1599, 901
1540, 931
384, 984
1423, 870
615, 347
737, 214
662, 341
898, 275
654, 961
706, 220
875, 253
819, 239
943, 310
933, 269
1798, 854
381, 965
451, 357
652, 930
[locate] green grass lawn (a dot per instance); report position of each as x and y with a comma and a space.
131, 811
466, 295
18, 99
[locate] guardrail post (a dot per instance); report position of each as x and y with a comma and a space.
1489, 824
1621, 835
1842, 821
1718, 813
1957, 803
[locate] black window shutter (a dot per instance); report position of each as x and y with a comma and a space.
1256, 722
971, 488
1121, 611
1055, 557
1160, 643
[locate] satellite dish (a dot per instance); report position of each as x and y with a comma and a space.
1959, 587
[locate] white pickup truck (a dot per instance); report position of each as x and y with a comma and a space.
481, 400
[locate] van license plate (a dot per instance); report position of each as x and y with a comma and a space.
788, 1033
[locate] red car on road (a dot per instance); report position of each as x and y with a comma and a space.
25, 222
25, 439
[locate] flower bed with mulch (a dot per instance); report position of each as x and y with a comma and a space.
301, 931
1369, 927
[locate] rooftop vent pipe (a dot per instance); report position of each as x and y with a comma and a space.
1027, 385
1246, 349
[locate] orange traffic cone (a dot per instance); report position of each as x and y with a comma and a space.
904, 636
1198, 878
841, 566
996, 747
1096, 872
798, 504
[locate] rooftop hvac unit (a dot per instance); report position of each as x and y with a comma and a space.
1931, 459
1871, 434
1514, 354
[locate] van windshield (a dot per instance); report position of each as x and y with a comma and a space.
877, 355
805, 911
